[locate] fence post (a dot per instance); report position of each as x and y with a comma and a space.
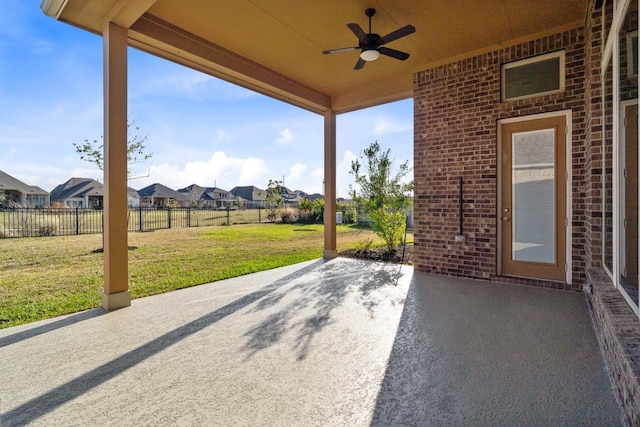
169, 217
77, 221
189, 217
228, 216
140, 217
259, 214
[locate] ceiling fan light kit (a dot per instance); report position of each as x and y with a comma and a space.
371, 44
370, 55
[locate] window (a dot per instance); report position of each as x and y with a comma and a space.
35, 200
620, 151
540, 75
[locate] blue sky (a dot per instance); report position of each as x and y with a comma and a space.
200, 129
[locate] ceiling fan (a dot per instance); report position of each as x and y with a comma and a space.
371, 44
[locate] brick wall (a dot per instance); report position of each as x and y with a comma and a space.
457, 107
616, 325
592, 181
618, 331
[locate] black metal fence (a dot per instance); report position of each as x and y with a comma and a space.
72, 221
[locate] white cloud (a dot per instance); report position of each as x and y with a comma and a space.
296, 171
220, 170
285, 137
253, 172
299, 179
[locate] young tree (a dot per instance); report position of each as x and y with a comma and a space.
92, 151
383, 194
275, 199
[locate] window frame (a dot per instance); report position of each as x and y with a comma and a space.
561, 54
611, 56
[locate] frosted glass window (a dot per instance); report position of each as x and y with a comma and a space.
533, 192
533, 76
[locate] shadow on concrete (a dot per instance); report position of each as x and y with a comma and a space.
51, 326
35, 408
315, 299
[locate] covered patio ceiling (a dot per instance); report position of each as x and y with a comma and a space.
275, 47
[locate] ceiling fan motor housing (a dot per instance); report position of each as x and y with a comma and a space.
371, 44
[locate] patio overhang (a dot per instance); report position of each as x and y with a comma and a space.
275, 48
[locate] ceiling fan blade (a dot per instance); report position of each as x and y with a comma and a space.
358, 31
342, 49
359, 64
393, 53
395, 35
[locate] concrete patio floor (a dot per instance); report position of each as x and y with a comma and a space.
340, 343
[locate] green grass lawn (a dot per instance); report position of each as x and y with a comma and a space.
42, 277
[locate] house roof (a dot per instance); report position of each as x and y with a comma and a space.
206, 193
159, 190
249, 192
132, 192
275, 47
194, 189
77, 187
9, 183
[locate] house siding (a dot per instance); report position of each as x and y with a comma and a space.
457, 108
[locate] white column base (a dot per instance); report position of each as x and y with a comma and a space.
330, 254
115, 301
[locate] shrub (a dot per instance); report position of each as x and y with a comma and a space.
46, 228
289, 216
384, 194
364, 245
349, 216
307, 217
389, 225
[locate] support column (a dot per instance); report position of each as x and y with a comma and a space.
330, 185
116, 273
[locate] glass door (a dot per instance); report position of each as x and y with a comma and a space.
533, 209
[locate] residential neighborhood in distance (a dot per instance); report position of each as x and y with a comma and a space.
89, 193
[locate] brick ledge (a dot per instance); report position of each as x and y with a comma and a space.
618, 331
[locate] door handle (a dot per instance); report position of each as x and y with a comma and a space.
506, 218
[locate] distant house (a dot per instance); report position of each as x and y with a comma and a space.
315, 196
133, 198
19, 194
209, 197
293, 198
160, 196
299, 196
79, 193
250, 196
